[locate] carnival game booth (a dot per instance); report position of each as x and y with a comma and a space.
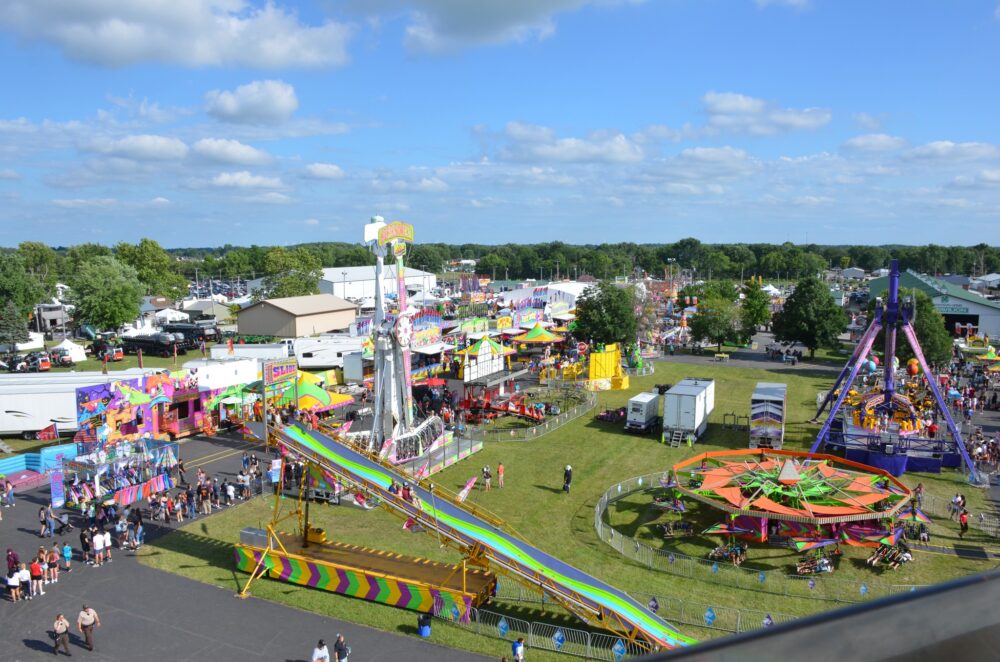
797, 498
163, 404
122, 472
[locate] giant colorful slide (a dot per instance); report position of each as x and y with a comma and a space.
589, 598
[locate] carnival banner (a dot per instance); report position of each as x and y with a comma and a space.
57, 489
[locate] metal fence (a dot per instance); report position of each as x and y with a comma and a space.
776, 582
672, 609
545, 636
648, 368
550, 424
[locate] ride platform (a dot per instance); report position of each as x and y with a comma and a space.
378, 576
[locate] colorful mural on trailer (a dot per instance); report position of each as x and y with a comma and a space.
357, 584
157, 405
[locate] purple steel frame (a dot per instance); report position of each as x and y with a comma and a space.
890, 317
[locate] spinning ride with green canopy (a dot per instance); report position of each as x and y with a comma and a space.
791, 486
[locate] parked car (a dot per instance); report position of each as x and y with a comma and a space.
38, 362
104, 349
16, 363
60, 357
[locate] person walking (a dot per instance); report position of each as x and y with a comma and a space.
567, 478
61, 629
340, 649
500, 475
86, 621
517, 649
963, 523
487, 478
321, 653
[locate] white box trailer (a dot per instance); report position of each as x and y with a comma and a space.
260, 352
643, 413
767, 415
33, 402
686, 408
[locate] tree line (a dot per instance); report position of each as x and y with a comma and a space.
107, 282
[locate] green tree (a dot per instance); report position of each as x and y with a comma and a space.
755, 310
13, 326
717, 321
106, 293
929, 325
42, 262
77, 255
154, 266
605, 314
810, 317
18, 285
291, 272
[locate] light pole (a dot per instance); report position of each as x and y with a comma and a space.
343, 285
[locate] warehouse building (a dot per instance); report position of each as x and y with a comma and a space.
294, 317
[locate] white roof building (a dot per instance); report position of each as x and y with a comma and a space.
359, 282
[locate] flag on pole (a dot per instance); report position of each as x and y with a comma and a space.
47, 434
139, 354
229, 344
468, 488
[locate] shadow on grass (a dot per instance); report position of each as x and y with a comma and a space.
549, 488
214, 553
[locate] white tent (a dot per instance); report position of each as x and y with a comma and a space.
771, 290
170, 315
76, 352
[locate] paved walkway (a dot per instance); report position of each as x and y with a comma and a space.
149, 614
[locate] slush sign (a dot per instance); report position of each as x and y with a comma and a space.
395, 231
279, 371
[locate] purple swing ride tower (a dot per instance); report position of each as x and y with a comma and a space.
890, 446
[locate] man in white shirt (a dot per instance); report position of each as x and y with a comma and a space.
320, 653
98, 548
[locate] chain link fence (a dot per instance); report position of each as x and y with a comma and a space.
551, 423
545, 636
809, 587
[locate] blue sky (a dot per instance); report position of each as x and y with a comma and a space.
203, 122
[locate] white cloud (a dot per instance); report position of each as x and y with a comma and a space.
8, 174
259, 102
875, 142
222, 150
142, 148
946, 150
869, 121
186, 32
86, 203
738, 113
985, 179
444, 25
159, 202
418, 184
311, 221
270, 198
529, 143
244, 179
323, 171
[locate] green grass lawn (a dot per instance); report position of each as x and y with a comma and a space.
561, 524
